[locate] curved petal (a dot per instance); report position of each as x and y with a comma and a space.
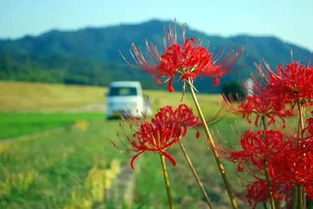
132, 161
169, 157
170, 85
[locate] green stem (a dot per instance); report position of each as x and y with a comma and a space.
302, 197
264, 205
268, 180
301, 194
295, 198
167, 182
301, 119
195, 175
212, 146
269, 186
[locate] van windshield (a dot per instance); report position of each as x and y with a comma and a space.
123, 91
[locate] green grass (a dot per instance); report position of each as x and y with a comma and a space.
59, 164
44, 171
17, 124
53, 166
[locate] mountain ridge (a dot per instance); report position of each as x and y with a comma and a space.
99, 47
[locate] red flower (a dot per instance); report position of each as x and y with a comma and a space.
291, 84
301, 164
165, 129
187, 60
261, 106
182, 116
258, 147
155, 137
294, 163
258, 192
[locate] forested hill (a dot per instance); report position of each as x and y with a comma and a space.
91, 56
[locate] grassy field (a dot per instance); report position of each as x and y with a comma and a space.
18, 124
57, 166
36, 97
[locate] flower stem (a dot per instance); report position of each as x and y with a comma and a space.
195, 175
167, 182
264, 205
269, 186
302, 198
301, 119
268, 180
301, 194
212, 146
295, 197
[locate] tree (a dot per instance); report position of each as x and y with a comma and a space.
234, 91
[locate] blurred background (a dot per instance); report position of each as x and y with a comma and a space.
57, 60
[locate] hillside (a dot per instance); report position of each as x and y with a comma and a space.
90, 56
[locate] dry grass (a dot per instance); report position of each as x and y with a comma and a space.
36, 97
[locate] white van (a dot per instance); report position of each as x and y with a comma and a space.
125, 99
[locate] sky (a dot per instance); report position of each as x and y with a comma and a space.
289, 20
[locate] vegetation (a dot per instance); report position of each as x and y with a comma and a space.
36, 97
86, 57
46, 171
51, 170
72, 164
18, 124
234, 91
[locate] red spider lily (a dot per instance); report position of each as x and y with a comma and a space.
257, 192
187, 60
294, 164
291, 84
301, 164
261, 106
258, 147
182, 116
158, 136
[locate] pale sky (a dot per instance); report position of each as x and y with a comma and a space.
290, 20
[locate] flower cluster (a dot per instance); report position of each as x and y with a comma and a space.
187, 60
166, 129
182, 117
261, 106
298, 163
258, 192
287, 161
278, 162
258, 147
291, 84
